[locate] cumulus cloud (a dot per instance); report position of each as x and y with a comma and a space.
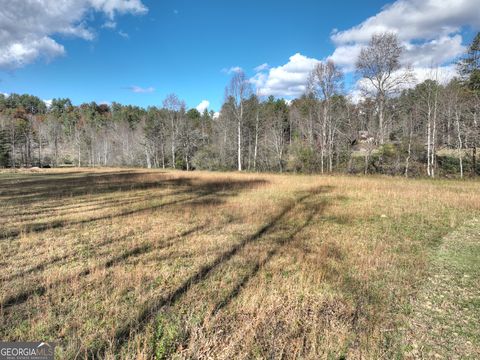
204, 104
415, 19
27, 26
287, 80
345, 56
17, 54
429, 30
435, 52
140, 90
441, 74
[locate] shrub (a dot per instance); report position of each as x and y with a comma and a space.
206, 159
302, 158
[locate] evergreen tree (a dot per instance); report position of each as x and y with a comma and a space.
4, 149
469, 66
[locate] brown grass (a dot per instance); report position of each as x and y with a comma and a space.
136, 263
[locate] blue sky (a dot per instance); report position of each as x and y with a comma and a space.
139, 55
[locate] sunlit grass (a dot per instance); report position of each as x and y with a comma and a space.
137, 263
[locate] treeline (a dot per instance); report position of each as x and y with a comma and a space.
430, 129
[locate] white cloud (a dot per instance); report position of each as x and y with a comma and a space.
111, 7
204, 104
233, 69
109, 24
140, 90
123, 34
216, 115
262, 67
415, 19
429, 29
48, 102
288, 80
345, 56
27, 26
435, 52
18, 54
441, 74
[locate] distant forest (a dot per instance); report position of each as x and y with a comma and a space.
396, 127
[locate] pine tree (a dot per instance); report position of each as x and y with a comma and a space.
4, 149
469, 66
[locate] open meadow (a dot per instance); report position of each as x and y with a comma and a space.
119, 263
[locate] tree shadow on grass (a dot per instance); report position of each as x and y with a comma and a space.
200, 193
283, 239
61, 186
196, 190
150, 309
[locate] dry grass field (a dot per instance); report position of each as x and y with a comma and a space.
118, 263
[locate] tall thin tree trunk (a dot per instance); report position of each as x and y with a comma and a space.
256, 143
409, 152
239, 131
105, 151
56, 148
163, 156
13, 154
249, 150
474, 160
474, 147
381, 104
366, 163
429, 142
460, 145
239, 149
434, 132
79, 155
173, 143
147, 157
331, 139
39, 151
324, 137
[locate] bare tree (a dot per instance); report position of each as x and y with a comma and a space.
239, 90
428, 100
379, 64
173, 105
327, 81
